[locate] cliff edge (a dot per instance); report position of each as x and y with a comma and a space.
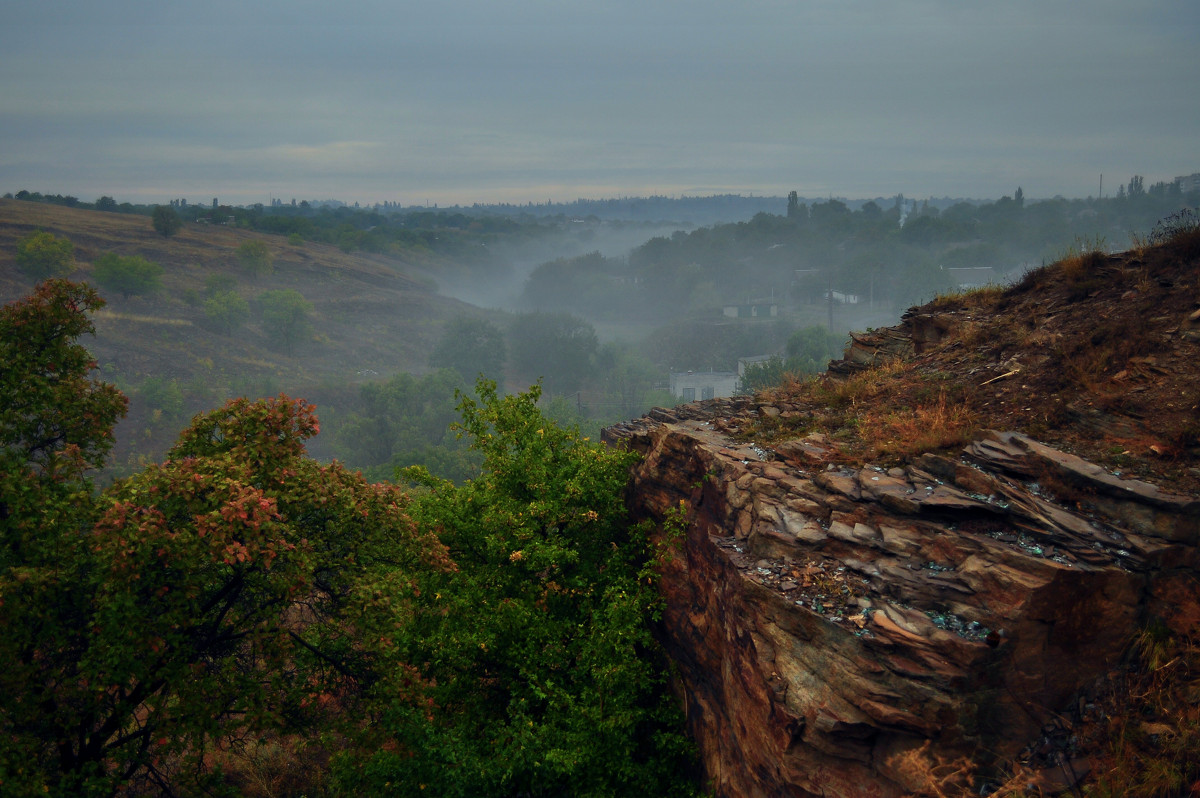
921, 573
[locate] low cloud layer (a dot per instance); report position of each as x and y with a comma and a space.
471, 101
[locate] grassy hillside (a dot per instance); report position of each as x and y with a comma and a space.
371, 318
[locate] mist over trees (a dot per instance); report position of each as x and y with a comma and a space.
601, 310
472, 347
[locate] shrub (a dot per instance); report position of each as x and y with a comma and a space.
285, 315
42, 255
226, 311
166, 221
127, 274
256, 258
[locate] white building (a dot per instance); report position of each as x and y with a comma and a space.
692, 385
1189, 183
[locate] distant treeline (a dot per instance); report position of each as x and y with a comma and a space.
899, 254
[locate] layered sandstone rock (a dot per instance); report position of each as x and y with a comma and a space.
866, 632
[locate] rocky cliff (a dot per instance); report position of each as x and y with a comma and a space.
915, 575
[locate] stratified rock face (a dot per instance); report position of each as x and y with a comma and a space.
861, 632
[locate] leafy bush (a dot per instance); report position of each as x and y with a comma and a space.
148, 626
286, 317
41, 255
226, 311
256, 258
166, 221
488, 639
218, 283
540, 668
128, 275
163, 395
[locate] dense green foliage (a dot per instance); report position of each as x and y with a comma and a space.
128, 275
55, 421
809, 351
488, 639
406, 421
540, 663
556, 347
41, 255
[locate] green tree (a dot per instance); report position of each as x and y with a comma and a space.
166, 221
163, 395
810, 349
286, 317
471, 347
536, 651
55, 425
144, 626
178, 628
556, 347
127, 274
407, 421
793, 205
41, 255
256, 258
226, 311
55, 420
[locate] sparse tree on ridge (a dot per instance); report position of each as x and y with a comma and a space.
166, 221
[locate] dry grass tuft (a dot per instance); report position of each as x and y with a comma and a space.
927, 775
927, 427
886, 414
1154, 741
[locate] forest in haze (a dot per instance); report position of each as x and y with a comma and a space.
381, 314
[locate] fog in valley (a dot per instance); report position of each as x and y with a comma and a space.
378, 206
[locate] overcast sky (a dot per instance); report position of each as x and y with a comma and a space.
527, 100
